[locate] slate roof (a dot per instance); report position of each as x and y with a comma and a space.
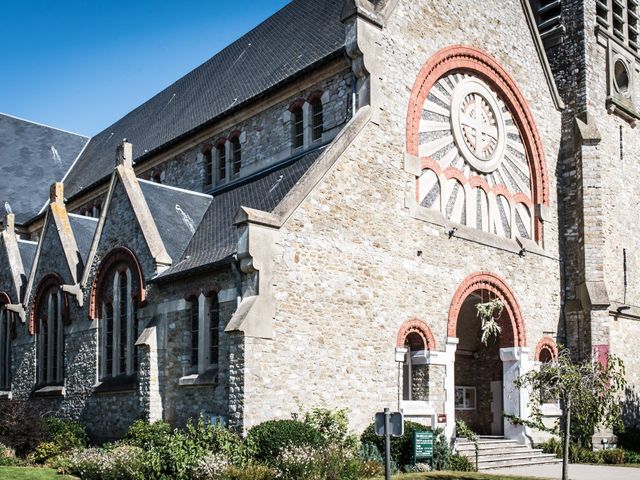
83, 228
32, 157
290, 42
176, 212
216, 237
27, 254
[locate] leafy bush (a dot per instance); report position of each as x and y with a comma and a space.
88, 464
272, 437
298, 463
122, 463
211, 467
401, 447
8, 457
441, 450
613, 456
629, 439
61, 436
251, 471
631, 457
21, 426
371, 468
333, 426
460, 463
148, 435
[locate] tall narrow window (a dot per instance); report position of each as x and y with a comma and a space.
194, 315
298, 126
317, 120
237, 155
208, 167
123, 324
214, 332
108, 340
5, 349
50, 338
222, 161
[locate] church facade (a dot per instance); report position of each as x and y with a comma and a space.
312, 216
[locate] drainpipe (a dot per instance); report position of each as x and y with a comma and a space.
235, 268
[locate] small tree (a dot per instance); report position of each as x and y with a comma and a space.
588, 393
489, 312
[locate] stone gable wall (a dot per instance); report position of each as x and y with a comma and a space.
348, 272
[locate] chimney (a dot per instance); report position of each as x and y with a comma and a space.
124, 154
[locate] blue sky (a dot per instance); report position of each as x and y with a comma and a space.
81, 65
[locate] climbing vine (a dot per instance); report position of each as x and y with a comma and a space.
489, 313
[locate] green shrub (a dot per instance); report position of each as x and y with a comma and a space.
401, 447
613, 456
333, 426
21, 426
251, 471
45, 451
631, 457
272, 437
417, 468
211, 467
126, 463
298, 462
88, 464
460, 463
371, 469
148, 435
61, 436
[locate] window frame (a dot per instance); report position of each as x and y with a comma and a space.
297, 126
463, 389
236, 154
207, 156
206, 350
317, 118
221, 161
50, 328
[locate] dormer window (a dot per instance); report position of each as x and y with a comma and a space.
297, 119
236, 152
317, 119
221, 158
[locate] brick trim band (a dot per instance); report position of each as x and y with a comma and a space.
489, 282
112, 262
462, 57
415, 325
549, 344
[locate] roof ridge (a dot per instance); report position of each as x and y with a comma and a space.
177, 189
46, 126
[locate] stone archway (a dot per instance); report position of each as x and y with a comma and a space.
482, 386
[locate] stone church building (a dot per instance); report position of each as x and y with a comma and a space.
311, 217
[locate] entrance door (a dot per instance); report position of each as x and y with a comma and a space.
496, 408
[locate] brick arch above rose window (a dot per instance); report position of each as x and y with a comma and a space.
118, 259
475, 62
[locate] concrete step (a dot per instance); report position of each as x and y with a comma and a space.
519, 463
529, 457
470, 447
496, 452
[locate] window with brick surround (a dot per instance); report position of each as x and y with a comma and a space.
297, 122
317, 119
50, 337
221, 159
5, 348
236, 152
118, 332
620, 19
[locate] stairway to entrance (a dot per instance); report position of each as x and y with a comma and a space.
496, 452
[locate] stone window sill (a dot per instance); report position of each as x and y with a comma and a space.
119, 384
5, 394
210, 377
49, 391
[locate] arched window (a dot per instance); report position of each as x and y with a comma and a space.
221, 158
50, 336
117, 292
5, 343
297, 119
208, 166
417, 340
236, 151
317, 119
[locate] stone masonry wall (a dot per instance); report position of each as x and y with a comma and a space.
347, 273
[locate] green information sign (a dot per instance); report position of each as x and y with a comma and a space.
422, 445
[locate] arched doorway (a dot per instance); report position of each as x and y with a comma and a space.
482, 387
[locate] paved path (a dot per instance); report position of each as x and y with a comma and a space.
576, 472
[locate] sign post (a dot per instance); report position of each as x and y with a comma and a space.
422, 446
389, 425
